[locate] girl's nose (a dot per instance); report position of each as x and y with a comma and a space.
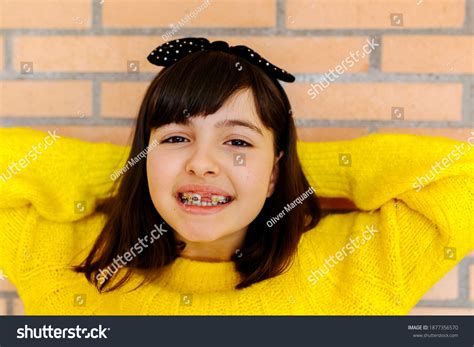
202, 162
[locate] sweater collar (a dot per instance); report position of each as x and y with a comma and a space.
192, 276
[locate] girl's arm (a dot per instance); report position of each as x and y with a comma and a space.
54, 173
60, 178
418, 194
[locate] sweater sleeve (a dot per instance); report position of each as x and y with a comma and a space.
12, 223
416, 194
60, 177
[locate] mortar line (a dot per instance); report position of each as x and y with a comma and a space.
464, 280
375, 56
9, 305
7, 54
469, 17
96, 8
264, 31
467, 102
96, 99
280, 17
300, 77
462, 301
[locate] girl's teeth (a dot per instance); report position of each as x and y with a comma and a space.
195, 199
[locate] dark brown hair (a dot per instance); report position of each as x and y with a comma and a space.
199, 85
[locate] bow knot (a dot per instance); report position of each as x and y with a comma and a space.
172, 51
219, 46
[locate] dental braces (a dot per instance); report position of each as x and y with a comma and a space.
195, 199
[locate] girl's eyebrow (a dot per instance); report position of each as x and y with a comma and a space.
227, 123
238, 122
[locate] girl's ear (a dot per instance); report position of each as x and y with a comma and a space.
274, 177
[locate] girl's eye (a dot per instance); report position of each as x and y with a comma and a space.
177, 139
174, 137
240, 143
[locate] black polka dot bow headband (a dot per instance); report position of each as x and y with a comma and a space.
172, 51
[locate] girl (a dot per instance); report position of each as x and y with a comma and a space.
214, 211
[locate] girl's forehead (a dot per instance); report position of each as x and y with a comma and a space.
241, 98
238, 109
241, 104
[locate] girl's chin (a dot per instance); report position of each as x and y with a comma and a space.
198, 236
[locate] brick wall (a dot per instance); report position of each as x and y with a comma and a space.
80, 67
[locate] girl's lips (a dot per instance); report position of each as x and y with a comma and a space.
203, 190
202, 210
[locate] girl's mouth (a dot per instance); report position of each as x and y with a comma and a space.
195, 203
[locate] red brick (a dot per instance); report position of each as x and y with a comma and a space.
5, 285
320, 53
84, 53
368, 14
51, 14
3, 307
18, 308
150, 14
122, 99
445, 289
428, 54
329, 134
441, 311
111, 53
421, 101
41, 98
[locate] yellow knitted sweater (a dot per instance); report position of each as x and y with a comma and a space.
413, 234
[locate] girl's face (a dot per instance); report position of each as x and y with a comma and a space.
229, 153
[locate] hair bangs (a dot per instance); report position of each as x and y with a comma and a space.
197, 85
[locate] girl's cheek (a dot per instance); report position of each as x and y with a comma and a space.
156, 168
252, 177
